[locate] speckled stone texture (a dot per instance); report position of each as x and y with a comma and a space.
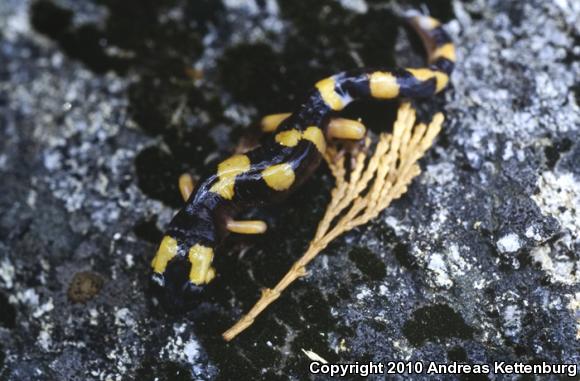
103, 104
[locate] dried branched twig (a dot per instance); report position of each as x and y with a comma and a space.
359, 194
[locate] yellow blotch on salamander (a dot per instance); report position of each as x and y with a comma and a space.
200, 258
292, 137
167, 250
328, 93
279, 177
441, 78
271, 122
315, 135
444, 51
288, 138
227, 172
383, 85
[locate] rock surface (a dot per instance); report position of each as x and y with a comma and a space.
104, 103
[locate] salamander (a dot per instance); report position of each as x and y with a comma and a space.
290, 153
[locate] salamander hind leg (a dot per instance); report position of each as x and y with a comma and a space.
247, 227
348, 129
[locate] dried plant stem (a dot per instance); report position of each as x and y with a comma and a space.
359, 195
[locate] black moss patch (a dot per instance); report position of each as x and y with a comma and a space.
554, 151
253, 74
158, 169
434, 323
82, 43
457, 354
147, 230
157, 175
50, 19
403, 254
368, 263
7, 313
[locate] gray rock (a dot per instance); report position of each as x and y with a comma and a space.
101, 109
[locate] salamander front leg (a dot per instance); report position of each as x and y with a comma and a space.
247, 227
186, 185
271, 122
348, 129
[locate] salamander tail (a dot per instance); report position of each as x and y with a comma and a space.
438, 44
337, 91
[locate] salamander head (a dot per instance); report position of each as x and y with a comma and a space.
181, 272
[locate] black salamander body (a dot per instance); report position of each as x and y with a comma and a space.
270, 172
